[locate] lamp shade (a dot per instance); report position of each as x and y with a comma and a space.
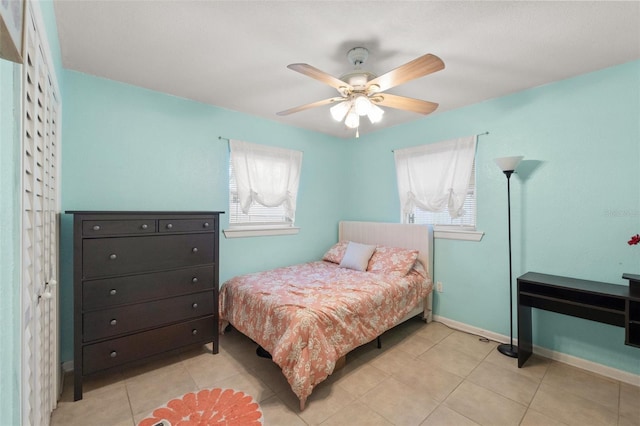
375, 114
362, 105
339, 111
353, 120
508, 164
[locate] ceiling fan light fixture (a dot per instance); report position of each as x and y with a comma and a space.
375, 114
362, 105
353, 119
340, 110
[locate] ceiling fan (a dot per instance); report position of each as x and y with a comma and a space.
361, 92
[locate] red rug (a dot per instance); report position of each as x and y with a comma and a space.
207, 407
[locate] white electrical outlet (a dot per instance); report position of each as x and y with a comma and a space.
439, 287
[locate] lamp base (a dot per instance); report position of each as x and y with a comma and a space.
508, 350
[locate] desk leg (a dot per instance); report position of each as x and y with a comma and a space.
525, 346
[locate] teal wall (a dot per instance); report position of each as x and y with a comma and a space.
575, 201
127, 148
575, 198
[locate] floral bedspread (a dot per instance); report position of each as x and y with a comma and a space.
309, 315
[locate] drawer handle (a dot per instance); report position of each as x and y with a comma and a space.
194, 331
169, 226
112, 292
113, 322
113, 354
96, 227
113, 256
194, 250
194, 280
206, 224
144, 226
194, 306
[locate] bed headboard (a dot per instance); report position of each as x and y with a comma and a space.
411, 236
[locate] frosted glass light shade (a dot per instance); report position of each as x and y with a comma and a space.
375, 114
339, 111
362, 105
508, 163
353, 120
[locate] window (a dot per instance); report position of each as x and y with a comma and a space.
436, 185
443, 219
263, 187
258, 215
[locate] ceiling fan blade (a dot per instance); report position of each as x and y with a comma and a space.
401, 102
319, 75
311, 105
417, 68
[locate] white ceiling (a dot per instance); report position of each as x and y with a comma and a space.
233, 54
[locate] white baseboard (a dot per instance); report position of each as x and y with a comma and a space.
603, 370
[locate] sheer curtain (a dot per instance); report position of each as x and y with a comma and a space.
266, 175
435, 176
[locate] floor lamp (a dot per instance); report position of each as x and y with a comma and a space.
508, 166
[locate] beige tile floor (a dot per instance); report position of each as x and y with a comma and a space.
425, 374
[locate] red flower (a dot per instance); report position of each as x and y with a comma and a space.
634, 240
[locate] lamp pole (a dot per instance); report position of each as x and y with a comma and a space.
509, 350
508, 166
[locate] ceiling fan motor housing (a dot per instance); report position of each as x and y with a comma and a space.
357, 78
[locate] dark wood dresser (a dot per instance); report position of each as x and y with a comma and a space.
145, 283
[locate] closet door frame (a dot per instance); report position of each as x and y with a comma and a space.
40, 207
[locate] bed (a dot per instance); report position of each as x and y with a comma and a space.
309, 316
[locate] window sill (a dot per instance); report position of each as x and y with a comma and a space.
457, 234
259, 232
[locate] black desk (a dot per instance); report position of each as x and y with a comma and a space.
607, 303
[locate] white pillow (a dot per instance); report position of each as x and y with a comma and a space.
357, 256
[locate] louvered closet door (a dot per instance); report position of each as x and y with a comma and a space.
40, 107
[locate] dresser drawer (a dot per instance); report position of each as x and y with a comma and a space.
128, 255
110, 292
104, 355
97, 228
187, 225
126, 319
